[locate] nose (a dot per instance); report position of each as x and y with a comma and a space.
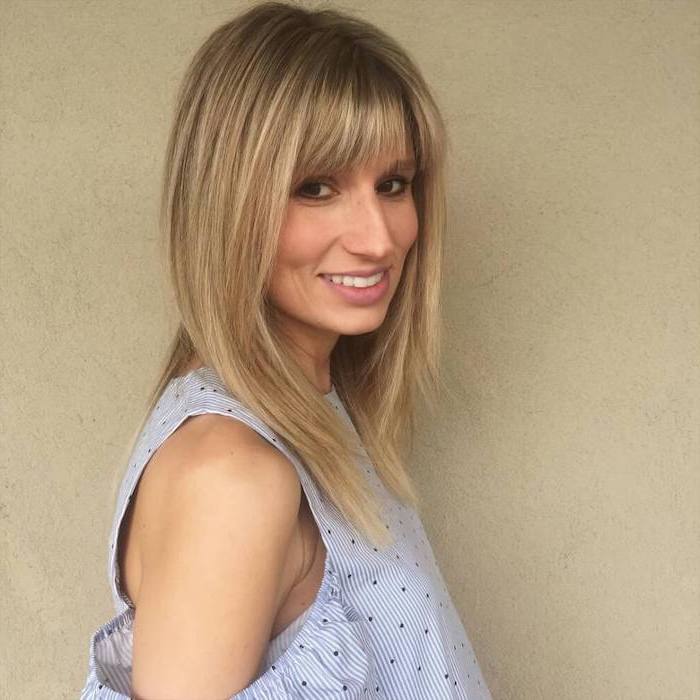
368, 233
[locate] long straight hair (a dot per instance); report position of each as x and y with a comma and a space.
276, 94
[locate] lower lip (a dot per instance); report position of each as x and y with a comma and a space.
362, 296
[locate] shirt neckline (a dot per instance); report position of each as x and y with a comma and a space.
205, 368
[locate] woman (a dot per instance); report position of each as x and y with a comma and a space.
266, 541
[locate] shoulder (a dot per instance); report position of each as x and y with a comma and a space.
216, 479
213, 461
215, 449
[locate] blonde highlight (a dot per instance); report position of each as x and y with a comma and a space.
277, 93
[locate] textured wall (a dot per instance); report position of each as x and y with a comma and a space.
560, 478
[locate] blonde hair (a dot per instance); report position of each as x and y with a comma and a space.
273, 95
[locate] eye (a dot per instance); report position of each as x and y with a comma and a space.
314, 185
403, 182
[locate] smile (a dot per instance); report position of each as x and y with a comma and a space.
358, 291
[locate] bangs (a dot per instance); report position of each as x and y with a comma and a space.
354, 115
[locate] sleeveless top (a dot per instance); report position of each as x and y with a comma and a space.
382, 624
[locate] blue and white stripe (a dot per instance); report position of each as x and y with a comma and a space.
382, 625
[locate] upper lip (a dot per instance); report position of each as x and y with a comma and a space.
358, 273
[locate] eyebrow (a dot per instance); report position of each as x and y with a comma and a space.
403, 164
397, 165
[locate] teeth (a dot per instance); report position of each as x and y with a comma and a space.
348, 281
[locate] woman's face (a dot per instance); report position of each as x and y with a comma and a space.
351, 224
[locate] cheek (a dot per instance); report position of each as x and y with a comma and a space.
300, 243
300, 250
407, 228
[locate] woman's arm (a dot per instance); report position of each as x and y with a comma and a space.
213, 555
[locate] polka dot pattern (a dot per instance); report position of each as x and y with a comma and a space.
382, 624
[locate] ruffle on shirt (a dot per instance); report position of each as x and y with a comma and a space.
330, 657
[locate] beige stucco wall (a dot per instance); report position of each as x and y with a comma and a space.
561, 479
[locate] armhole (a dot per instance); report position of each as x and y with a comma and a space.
157, 430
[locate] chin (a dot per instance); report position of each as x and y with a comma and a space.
359, 327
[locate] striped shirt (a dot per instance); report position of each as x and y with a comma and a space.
382, 624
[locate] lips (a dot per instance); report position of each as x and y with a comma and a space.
360, 296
